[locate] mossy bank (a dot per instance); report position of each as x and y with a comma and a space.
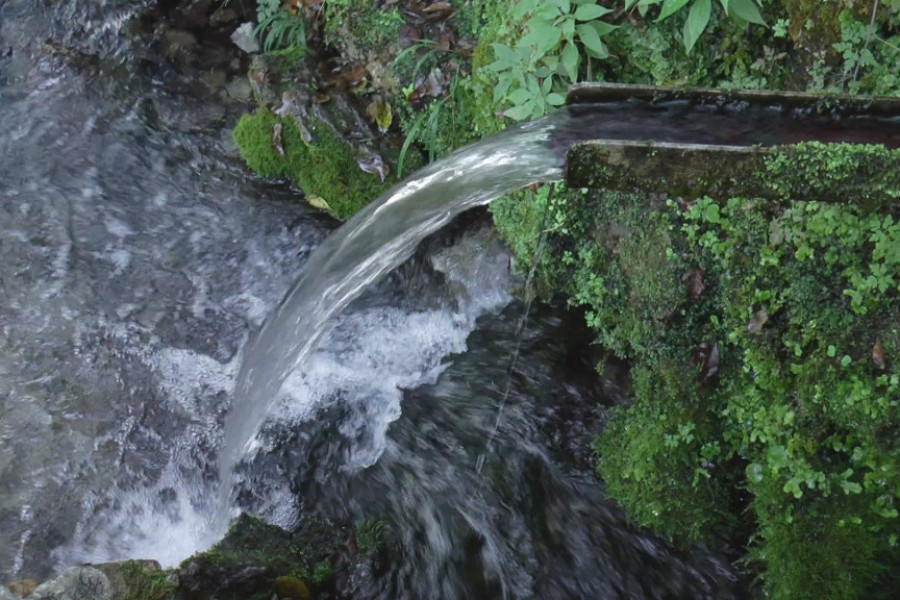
764, 338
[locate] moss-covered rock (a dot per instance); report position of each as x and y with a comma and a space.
253, 555
322, 166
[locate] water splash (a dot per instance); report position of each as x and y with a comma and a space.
372, 243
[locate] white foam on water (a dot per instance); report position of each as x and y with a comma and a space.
366, 361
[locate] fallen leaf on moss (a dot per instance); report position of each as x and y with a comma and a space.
317, 202
373, 163
878, 356
694, 279
755, 324
276, 139
381, 115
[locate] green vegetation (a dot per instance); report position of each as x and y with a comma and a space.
145, 584
324, 167
270, 555
764, 340
279, 28
763, 336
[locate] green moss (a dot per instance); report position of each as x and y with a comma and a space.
145, 584
364, 22
325, 167
304, 555
867, 174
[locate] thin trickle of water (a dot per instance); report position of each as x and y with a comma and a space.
376, 240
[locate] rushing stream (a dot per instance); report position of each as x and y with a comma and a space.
138, 259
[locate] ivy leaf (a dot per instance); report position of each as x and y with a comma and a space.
670, 7
589, 12
591, 40
696, 22
743, 9
570, 61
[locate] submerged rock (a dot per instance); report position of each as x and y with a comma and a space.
20, 588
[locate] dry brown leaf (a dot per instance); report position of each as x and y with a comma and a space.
372, 162
878, 356
276, 139
694, 279
317, 202
755, 324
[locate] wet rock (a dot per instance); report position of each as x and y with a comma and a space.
77, 583
18, 589
244, 38
21, 588
223, 16
121, 575
291, 587
177, 45
239, 89
214, 80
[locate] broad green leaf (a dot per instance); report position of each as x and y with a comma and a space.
554, 99
552, 62
544, 38
570, 61
568, 30
589, 12
519, 96
523, 7
590, 39
602, 27
498, 66
696, 22
547, 86
504, 54
743, 9
517, 113
670, 7
547, 13
502, 86
564, 5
